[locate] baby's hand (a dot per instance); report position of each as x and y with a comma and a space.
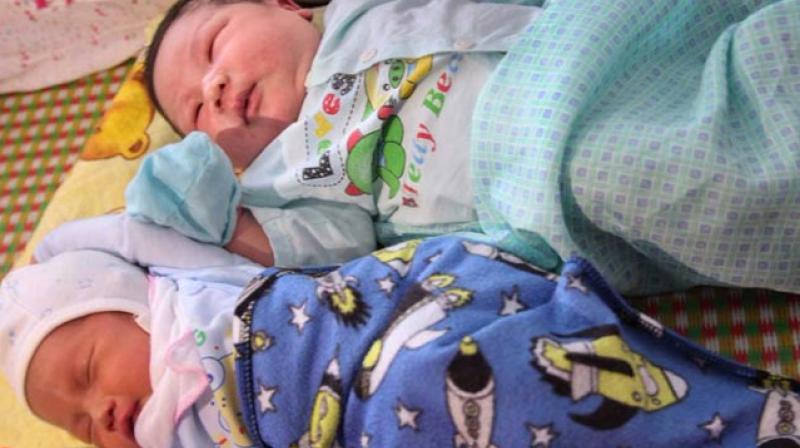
250, 241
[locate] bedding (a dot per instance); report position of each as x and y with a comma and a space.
511, 355
659, 139
752, 326
42, 134
47, 133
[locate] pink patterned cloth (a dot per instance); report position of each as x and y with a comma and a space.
48, 42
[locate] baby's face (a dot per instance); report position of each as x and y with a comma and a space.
237, 72
91, 377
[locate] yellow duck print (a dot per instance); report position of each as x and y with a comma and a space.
401, 74
123, 129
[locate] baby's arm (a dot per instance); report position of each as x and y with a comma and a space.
139, 242
190, 187
314, 232
319, 234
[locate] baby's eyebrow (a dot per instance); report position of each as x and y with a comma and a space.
197, 40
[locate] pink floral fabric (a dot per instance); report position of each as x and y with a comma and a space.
48, 42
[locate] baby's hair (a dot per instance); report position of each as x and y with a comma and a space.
176, 11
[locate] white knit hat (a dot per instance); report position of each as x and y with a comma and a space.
36, 299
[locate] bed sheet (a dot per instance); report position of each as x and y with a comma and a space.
658, 139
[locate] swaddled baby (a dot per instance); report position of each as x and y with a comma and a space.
97, 346
439, 342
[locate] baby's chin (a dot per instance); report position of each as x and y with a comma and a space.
243, 144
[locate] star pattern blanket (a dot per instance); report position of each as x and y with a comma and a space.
450, 342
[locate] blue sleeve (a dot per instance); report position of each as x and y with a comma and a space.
142, 243
188, 186
317, 233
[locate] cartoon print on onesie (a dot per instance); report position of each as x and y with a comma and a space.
387, 84
326, 411
600, 362
325, 166
470, 394
222, 382
779, 425
424, 305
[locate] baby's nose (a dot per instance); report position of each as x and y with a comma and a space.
103, 414
213, 88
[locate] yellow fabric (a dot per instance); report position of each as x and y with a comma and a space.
95, 186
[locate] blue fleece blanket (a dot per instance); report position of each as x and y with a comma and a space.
452, 343
660, 139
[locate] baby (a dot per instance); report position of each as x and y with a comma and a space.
74, 348
318, 146
97, 346
510, 356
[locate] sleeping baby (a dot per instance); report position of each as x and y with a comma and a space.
438, 342
315, 147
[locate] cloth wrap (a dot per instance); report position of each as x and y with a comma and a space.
661, 140
450, 342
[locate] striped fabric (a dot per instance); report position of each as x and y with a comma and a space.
42, 133
756, 327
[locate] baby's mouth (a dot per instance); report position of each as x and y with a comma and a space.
246, 102
129, 424
252, 103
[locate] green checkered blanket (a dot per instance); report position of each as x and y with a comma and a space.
660, 139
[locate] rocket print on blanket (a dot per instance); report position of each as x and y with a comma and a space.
471, 396
779, 425
493, 253
601, 363
425, 304
343, 299
399, 256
